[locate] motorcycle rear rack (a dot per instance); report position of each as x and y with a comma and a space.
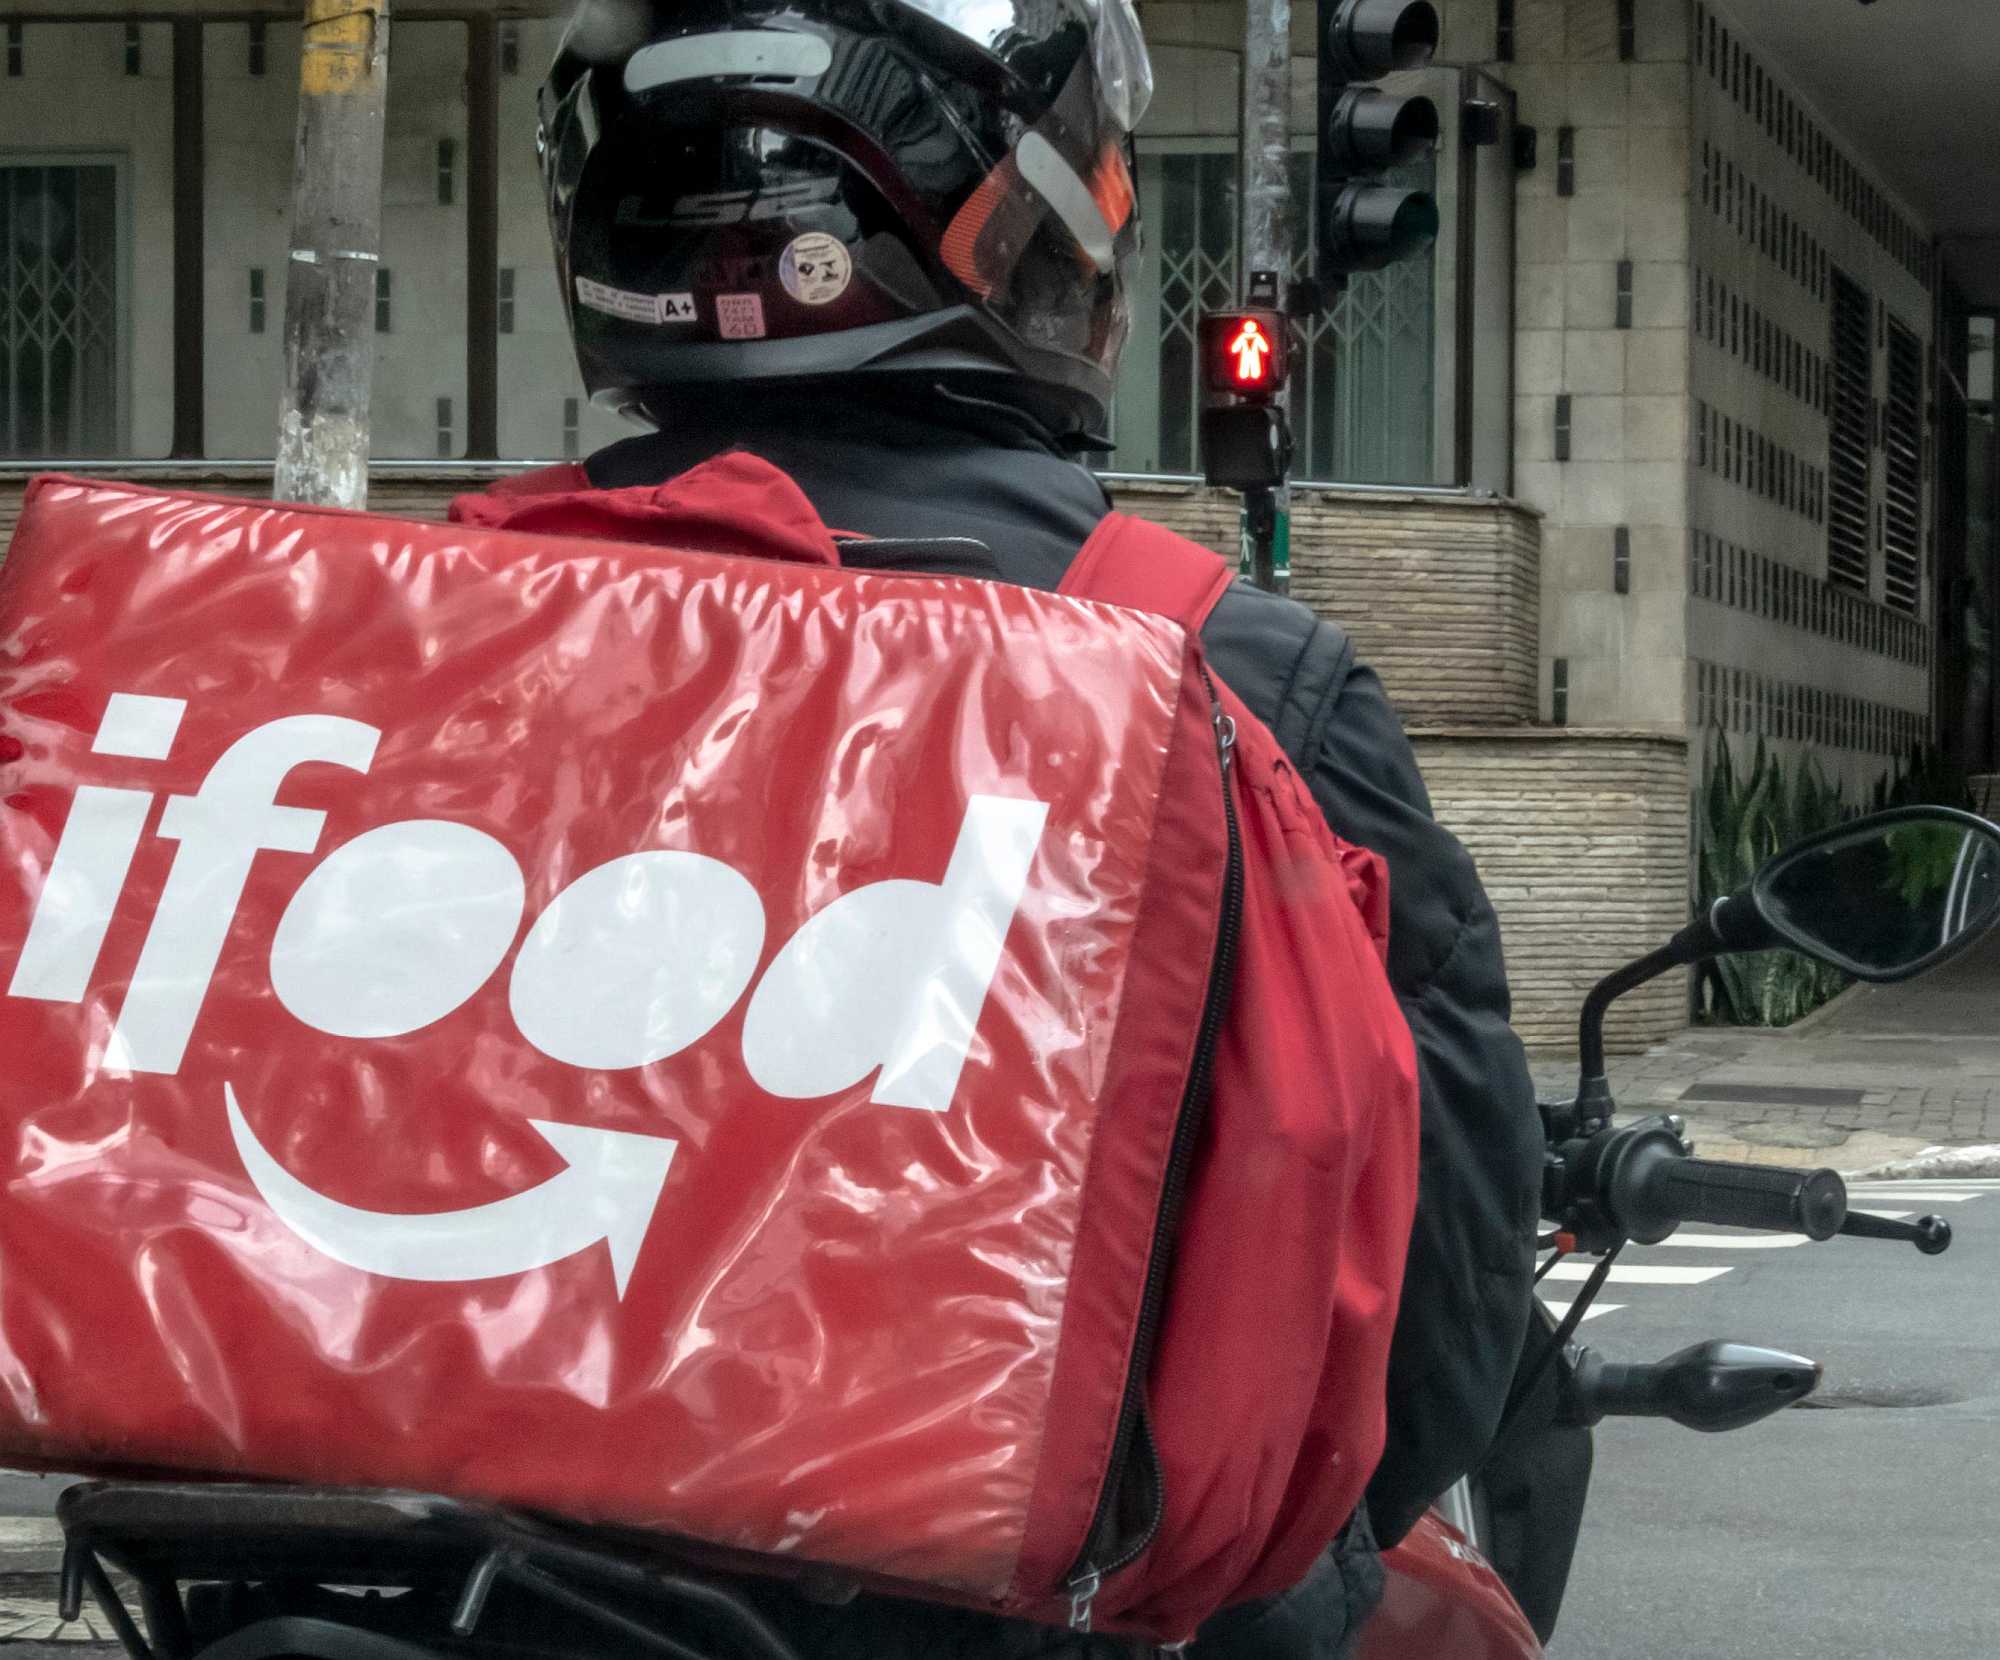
163, 1534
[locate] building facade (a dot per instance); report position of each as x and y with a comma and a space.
1683, 434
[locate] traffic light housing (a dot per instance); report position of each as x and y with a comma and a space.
1364, 223
1245, 446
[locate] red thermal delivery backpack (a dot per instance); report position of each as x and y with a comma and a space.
596, 1008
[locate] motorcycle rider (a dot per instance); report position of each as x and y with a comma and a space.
886, 245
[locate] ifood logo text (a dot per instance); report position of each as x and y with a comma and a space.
633, 961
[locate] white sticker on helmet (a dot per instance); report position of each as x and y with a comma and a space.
622, 303
740, 316
815, 268
756, 54
1062, 187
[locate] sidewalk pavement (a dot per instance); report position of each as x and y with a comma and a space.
1882, 1073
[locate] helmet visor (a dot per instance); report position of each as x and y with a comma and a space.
1003, 28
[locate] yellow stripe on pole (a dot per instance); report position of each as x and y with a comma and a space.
339, 45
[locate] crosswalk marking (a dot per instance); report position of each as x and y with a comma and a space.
1561, 1310
1944, 1184
1895, 1201
1728, 1242
1638, 1274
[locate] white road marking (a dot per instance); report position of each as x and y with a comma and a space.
28, 1619
1560, 1310
1944, 1184
1638, 1274
1915, 1196
1728, 1242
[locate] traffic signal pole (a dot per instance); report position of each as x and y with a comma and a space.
1361, 222
1268, 225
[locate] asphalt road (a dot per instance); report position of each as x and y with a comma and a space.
28, 1495
1858, 1529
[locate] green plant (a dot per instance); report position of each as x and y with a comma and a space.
1741, 820
1927, 777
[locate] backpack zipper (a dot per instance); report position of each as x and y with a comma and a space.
1098, 1559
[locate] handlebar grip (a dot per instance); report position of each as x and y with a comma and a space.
1811, 1202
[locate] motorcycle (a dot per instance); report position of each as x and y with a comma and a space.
230, 1571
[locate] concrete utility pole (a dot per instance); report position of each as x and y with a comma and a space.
1268, 220
336, 251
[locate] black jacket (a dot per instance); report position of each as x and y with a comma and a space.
945, 468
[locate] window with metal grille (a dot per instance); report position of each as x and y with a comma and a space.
1853, 374
1903, 488
58, 310
1364, 368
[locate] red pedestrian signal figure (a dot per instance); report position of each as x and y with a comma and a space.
1250, 348
1244, 353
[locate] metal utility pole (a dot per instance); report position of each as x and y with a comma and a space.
1268, 221
336, 251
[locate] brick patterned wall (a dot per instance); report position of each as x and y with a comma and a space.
1581, 838
1441, 594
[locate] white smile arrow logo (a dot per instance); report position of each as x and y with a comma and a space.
608, 1192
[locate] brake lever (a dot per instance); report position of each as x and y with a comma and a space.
1930, 1234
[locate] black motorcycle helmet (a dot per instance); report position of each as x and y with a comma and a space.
784, 191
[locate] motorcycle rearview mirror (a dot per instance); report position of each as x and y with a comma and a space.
1888, 897
1882, 898
1709, 1387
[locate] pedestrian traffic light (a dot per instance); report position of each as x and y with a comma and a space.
1364, 223
1245, 353
1246, 443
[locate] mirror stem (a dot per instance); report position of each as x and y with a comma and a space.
1732, 923
1593, 1095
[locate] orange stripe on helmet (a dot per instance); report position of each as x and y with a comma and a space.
959, 248
1111, 188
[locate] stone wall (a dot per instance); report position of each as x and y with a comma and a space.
1442, 594
1581, 838
1784, 653
1601, 349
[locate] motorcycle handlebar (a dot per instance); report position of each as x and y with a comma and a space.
1640, 1181
1811, 1202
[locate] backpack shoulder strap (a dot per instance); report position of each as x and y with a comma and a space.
1136, 563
